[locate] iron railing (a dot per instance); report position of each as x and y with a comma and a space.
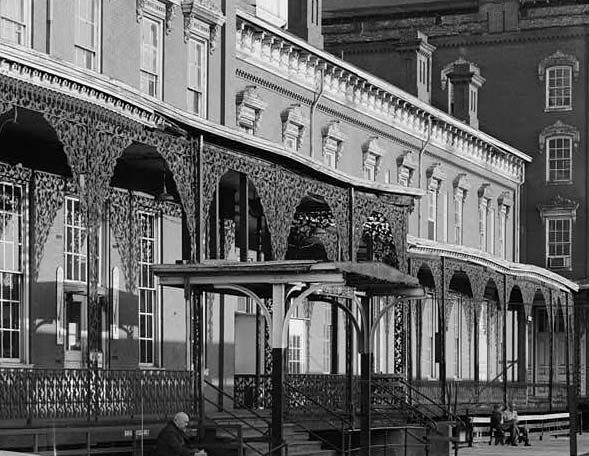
34, 394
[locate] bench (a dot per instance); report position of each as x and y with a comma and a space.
550, 424
77, 440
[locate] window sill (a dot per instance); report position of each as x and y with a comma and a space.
557, 183
15, 365
559, 109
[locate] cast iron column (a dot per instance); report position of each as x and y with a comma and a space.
278, 352
365, 380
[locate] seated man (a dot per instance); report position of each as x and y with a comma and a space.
172, 440
517, 433
497, 426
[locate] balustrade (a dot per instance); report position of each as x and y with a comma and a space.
35, 394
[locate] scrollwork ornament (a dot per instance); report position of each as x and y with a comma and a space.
124, 230
49, 192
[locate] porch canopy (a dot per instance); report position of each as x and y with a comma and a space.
371, 278
295, 281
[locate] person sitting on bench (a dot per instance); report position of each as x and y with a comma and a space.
497, 426
172, 440
510, 421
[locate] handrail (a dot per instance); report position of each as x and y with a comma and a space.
402, 400
440, 407
318, 404
249, 425
228, 396
345, 424
498, 376
238, 435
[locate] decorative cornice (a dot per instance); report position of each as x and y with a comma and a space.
559, 59
558, 128
462, 184
425, 247
195, 11
558, 207
250, 98
485, 191
505, 199
408, 160
333, 135
469, 72
270, 49
435, 172
293, 123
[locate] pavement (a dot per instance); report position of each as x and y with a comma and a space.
550, 446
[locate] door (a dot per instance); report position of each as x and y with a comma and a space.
75, 331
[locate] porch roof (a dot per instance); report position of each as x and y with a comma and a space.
372, 278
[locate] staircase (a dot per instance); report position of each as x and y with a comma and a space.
254, 432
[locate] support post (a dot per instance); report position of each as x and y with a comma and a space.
334, 336
197, 358
243, 217
365, 401
442, 331
278, 352
366, 359
504, 337
551, 355
571, 385
522, 337
349, 367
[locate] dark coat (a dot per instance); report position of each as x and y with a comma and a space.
171, 441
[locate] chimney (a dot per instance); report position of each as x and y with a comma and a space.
501, 15
464, 82
416, 55
304, 20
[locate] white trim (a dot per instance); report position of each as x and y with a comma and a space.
570, 158
426, 247
565, 107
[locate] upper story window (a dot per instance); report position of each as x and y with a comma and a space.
197, 76
273, 11
406, 166
559, 141
333, 143
558, 87
558, 216
87, 33
484, 208
15, 21
371, 158
558, 243
75, 241
151, 56
435, 175
558, 71
11, 270
503, 232
559, 159
461, 187
432, 211
293, 128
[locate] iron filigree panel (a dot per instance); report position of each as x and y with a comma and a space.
49, 192
365, 205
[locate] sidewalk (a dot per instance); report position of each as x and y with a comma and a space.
547, 447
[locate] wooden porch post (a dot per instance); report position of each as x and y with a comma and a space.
278, 354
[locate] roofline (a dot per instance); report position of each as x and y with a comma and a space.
388, 87
469, 254
159, 109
